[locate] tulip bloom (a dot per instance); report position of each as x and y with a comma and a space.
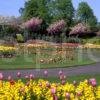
1, 76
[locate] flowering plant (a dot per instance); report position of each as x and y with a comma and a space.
56, 27
33, 23
44, 90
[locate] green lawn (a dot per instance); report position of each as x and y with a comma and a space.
31, 60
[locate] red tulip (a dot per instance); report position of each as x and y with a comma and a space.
12, 82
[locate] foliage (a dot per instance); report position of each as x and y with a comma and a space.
62, 9
85, 14
95, 40
73, 40
36, 8
19, 38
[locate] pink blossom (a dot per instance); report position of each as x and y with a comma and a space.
27, 83
68, 95
40, 84
60, 72
1, 76
63, 82
53, 90
48, 84
93, 82
74, 83
79, 94
18, 74
56, 27
45, 72
9, 78
55, 98
22, 89
33, 23
26, 76
31, 76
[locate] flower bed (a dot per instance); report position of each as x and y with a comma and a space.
44, 90
6, 51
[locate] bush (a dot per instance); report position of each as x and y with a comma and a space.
56, 27
95, 40
73, 40
19, 38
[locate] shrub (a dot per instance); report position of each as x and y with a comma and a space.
79, 28
73, 40
19, 38
33, 23
56, 27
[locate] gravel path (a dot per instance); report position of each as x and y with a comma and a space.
88, 69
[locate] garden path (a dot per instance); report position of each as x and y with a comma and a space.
78, 70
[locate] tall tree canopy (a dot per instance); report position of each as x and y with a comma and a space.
85, 14
36, 8
62, 9
49, 10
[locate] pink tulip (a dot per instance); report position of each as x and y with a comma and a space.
9, 78
53, 90
63, 82
31, 76
18, 74
68, 95
60, 72
79, 94
26, 76
1, 76
48, 84
45, 72
93, 82
40, 84
74, 83
27, 83
55, 98
61, 77
22, 89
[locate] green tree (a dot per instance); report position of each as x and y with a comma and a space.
85, 14
62, 9
36, 8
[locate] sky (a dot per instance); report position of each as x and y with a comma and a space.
11, 7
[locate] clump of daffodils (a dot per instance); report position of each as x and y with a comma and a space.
44, 90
